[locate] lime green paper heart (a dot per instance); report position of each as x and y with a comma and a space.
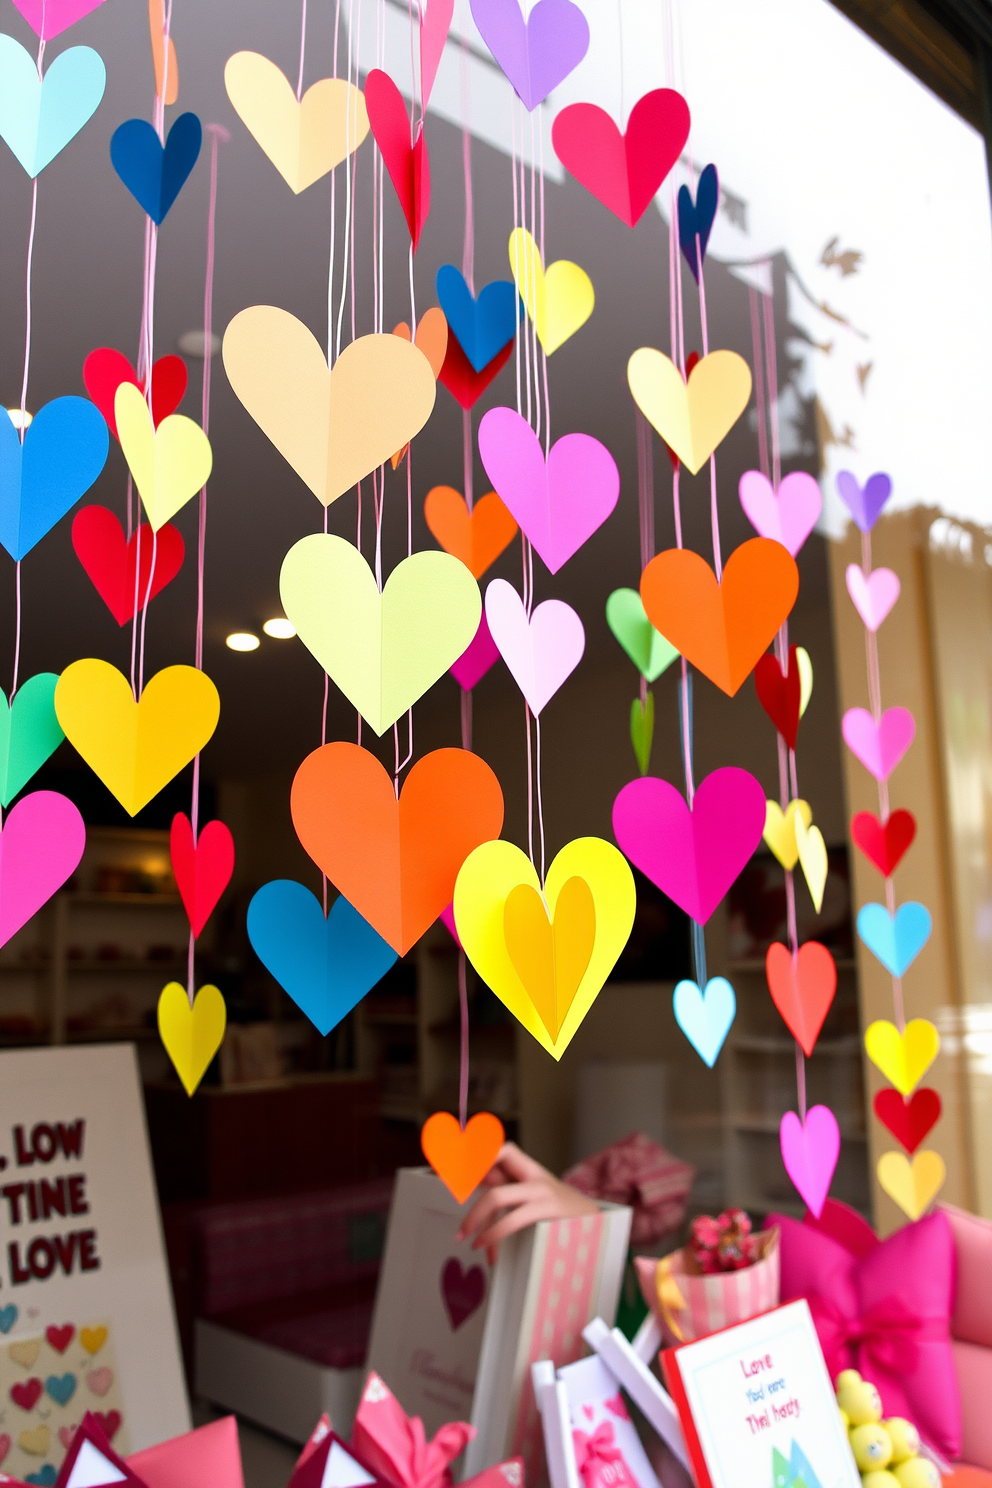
29, 733
383, 650
642, 730
646, 647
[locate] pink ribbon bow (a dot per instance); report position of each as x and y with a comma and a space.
395, 1445
885, 1337
599, 1447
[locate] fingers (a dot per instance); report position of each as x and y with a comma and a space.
517, 1219
521, 1167
504, 1196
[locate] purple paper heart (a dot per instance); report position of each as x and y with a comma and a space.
879, 746
692, 856
479, 655
55, 16
787, 515
40, 847
864, 502
536, 54
810, 1154
559, 504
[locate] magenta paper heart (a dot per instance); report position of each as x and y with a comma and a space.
536, 54
434, 28
692, 856
810, 1153
560, 504
40, 847
787, 515
879, 746
447, 917
56, 15
479, 655
864, 502
874, 596
540, 652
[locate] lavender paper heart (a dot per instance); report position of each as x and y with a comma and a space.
864, 502
539, 53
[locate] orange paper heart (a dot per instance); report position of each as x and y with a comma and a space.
432, 340
478, 536
721, 629
461, 1159
550, 958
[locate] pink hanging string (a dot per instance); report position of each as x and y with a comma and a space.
303, 49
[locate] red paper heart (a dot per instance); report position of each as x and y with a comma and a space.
26, 1393
60, 1338
778, 695
623, 170
884, 846
109, 559
910, 1120
203, 869
109, 1422
802, 989
408, 164
105, 369
464, 384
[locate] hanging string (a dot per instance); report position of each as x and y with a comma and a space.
303, 48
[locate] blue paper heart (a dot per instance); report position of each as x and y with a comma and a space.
705, 1018
44, 1477
696, 220
896, 942
326, 966
8, 1317
61, 1387
481, 326
64, 450
38, 119
155, 175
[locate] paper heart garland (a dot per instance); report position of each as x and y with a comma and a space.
812, 859
461, 1159
486, 880
169, 464
408, 164
332, 427
541, 650
483, 323
41, 846
780, 696
884, 845
476, 537
705, 1017
623, 170
480, 654
780, 830
694, 415
105, 369
191, 1035
788, 514
550, 950
909, 1119
912, 1184
722, 629
538, 53
382, 650
136, 748
110, 560
303, 138
458, 375
692, 856
559, 299
49, 18
642, 731
810, 1151
155, 174
696, 219
864, 502
872, 595
802, 988
903, 1058
325, 964
879, 746
896, 940
29, 733
38, 117
559, 502
64, 450
434, 28
202, 868
394, 861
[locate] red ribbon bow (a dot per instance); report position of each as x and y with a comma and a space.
885, 1336
599, 1447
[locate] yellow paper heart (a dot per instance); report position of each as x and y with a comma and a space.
169, 464
558, 299
812, 858
333, 427
780, 830
691, 417
36, 1442
25, 1351
913, 1184
903, 1058
487, 878
550, 957
93, 1339
135, 748
191, 1035
303, 138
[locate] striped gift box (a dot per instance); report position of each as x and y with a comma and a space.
716, 1301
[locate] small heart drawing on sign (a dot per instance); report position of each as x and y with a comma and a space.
93, 1339
28, 1392
616, 1407
66, 1433
461, 1158
8, 1317
61, 1387
24, 1351
60, 1338
306, 137
909, 1119
5, 1445
36, 1442
802, 988
109, 1422
463, 1290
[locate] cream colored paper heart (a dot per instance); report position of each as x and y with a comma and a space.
912, 1183
304, 138
812, 859
169, 464
691, 417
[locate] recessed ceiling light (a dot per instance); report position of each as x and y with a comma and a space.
194, 343
280, 629
15, 418
243, 640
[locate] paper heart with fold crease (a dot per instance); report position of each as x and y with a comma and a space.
864, 502
908, 1118
202, 868
191, 1035
705, 1017
780, 694
878, 745
155, 173
64, 450
884, 844
903, 1057
538, 53
540, 650
29, 733
692, 414
912, 1183
482, 323
169, 464
896, 940
696, 219
780, 830
646, 647
558, 299
120, 569
623, 170
306, 137
461, 1158
810, 1150
105, 369
407, 162
478, 536
802, 987
787, 514
872, 595
39, 116
458, 375
479, 655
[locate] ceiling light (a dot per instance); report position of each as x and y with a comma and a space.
15, 418
194, 343
243, 640
280, 629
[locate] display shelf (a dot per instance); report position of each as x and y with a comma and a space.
765, 1124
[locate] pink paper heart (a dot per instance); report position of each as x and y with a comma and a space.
479, 655
879, 746
66, 1433
692, 856
100, 1380
616, 1407
40, 847
587, 1412
56, 15
448, 920
810, 1153
873, 596
541, 652
5, 1445
558, 503
433, 34
787, 515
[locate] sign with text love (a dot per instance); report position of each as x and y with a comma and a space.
86, 1316
757, 1405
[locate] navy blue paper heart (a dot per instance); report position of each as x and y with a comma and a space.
64, 450
155, 175
696, 218
481, 326
326, 966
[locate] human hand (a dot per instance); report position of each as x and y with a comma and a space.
519, 1193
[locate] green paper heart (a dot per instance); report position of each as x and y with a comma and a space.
29, 733
642, 730
383, 650
646, 647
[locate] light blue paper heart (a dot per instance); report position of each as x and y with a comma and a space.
483, 325
895, 942
705, 1018
39, 118
61, 1387
64, 450
29, 734
8, 1317
326, 966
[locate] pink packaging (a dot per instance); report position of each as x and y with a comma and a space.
715, 1301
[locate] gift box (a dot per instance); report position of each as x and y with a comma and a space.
689, 1302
